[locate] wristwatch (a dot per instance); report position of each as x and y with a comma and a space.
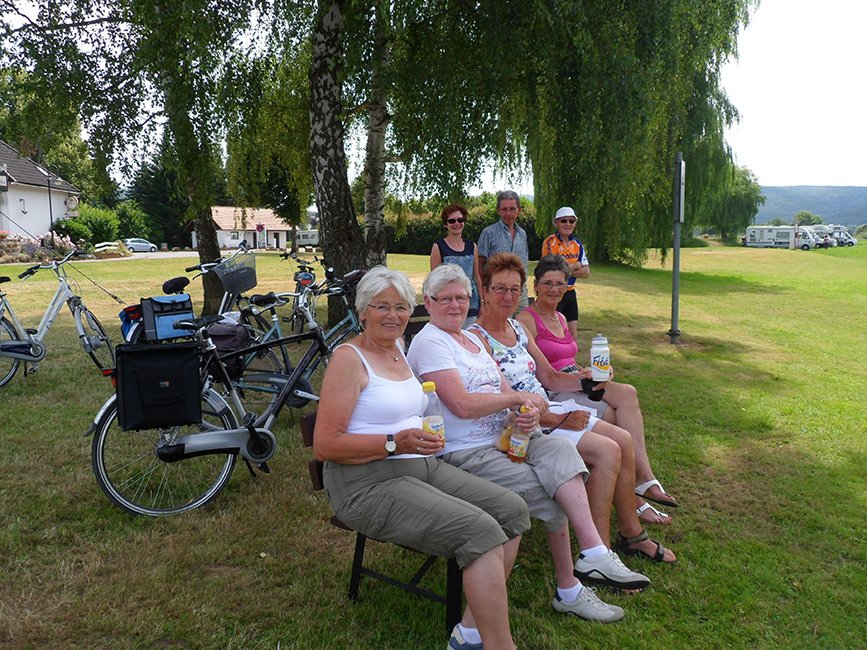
390, 444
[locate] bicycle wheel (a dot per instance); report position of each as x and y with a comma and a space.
134, 478
8, 365
95, 341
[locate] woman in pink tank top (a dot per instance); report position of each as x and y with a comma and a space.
547, 327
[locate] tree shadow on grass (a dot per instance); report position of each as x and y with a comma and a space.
770, 535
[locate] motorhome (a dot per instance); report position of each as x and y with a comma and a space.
821, 229
780, 237
307, 237
844, 238
817, 238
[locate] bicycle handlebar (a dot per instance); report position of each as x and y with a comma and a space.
29, 272
204, 267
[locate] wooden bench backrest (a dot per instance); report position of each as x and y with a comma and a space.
417, 320
307, 424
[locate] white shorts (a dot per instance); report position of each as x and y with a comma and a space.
570, 434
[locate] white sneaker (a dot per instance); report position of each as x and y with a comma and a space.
589, 607
610, 570
457, 642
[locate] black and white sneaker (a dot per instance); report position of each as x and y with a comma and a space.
608, 569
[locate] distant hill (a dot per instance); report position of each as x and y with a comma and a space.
843, 205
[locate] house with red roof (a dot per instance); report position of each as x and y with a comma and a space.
258, 227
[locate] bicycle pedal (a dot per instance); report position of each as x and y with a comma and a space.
263, 467
31, 330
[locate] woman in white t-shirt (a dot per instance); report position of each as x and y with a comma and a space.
383, 479
475, 397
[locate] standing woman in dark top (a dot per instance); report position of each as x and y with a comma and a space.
454, 249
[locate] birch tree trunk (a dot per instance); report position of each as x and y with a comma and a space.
377, 124
339, 232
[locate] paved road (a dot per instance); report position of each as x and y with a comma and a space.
159, 255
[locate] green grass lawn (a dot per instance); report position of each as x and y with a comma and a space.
756, 423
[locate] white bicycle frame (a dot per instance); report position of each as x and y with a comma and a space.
64, 294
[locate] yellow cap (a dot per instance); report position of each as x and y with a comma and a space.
429, 386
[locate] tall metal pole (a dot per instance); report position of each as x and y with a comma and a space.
678, 193
50, 211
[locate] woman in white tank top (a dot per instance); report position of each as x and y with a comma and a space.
383, 479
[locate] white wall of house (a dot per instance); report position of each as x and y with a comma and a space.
24, 209
265, 239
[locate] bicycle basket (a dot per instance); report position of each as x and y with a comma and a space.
237, 274
158, 386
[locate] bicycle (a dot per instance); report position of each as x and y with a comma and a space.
304, 309
18, 343
305, 278
163, 470
258, 313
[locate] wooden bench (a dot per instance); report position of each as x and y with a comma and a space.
453, 598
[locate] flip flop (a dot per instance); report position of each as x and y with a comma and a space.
646, 506
642, 488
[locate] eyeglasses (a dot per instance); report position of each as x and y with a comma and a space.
567, 221
504, 290
547, 284
401, 310
447, 300
451, 221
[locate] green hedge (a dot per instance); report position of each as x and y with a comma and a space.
421, 231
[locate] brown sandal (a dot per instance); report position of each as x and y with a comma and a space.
623, 544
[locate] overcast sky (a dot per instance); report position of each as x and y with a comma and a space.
800, 84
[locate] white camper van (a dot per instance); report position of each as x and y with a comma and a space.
779, 237
817, 238
844, 238
842, 235
307, 238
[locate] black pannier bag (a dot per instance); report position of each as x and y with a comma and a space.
158, 386
230, 337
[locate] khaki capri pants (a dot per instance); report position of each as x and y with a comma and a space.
427, 505
550, 462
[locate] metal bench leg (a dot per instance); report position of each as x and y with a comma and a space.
454, 594
357, 562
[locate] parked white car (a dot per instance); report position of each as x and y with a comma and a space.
137, 245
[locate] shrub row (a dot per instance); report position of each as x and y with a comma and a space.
417, 235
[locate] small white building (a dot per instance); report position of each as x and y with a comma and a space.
259, 227
31, 197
